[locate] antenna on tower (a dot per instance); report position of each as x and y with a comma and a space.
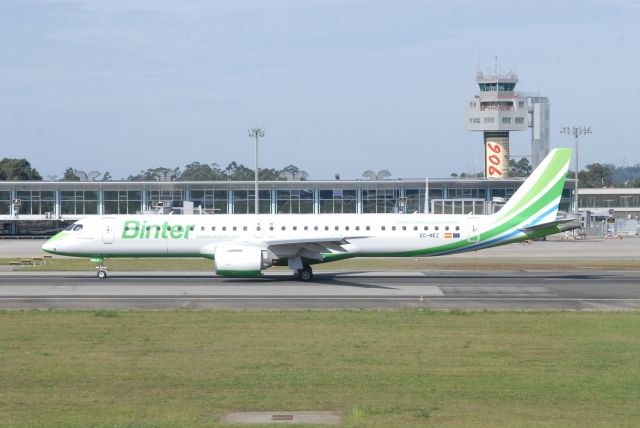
479, 61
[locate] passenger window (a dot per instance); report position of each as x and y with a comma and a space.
244, 228
284, 227
191, 228
224, 228
357, 227
148, 228
315, 227
306, 228
415, 227
213, 228
295, 227
457, 227
235, 228
435, 228
337, 227
383, 228
202, 229
368, 227
446, 228
404, 227
168, 227
393, 228
346, 228
326, 228
426, 228
258, 228
270, 227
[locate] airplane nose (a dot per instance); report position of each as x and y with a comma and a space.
49, 247
52, 245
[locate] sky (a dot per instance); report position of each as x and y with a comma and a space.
340, 86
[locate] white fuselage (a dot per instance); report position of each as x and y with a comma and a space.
198, 235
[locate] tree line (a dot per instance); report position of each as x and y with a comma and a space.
21, 169
593, 175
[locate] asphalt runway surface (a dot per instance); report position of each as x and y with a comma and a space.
473, 290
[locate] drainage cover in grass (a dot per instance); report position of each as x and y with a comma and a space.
326, 418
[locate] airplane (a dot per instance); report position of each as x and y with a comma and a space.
245, 245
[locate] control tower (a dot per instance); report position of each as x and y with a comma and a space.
497, 110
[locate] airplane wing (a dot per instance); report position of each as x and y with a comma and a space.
311, 248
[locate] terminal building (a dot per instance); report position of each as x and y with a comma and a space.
41, 207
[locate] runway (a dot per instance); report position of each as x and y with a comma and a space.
474, 290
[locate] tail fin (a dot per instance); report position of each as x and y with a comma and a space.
537, 200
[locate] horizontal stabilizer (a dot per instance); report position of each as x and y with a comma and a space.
564, 225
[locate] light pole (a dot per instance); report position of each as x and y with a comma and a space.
576, 131
256, 133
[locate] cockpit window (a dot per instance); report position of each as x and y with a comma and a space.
77, 227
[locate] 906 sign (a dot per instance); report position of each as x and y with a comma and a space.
496, 159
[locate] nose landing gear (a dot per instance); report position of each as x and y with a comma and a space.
102, 269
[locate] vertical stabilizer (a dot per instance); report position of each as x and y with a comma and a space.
537, 200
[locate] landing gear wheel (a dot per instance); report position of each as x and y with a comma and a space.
306, 274
102, 274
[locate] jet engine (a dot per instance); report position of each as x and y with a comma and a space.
241, 260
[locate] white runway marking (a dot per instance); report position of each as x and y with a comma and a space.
359, 291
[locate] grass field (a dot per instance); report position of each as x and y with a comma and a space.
404, 263
379, 368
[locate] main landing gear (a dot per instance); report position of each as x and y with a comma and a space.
305, 274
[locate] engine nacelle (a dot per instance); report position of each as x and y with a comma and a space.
241, 260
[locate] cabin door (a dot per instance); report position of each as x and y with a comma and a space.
473, 227
108, 233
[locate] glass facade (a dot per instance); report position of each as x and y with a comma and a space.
36, 202
380, 201
338, 201
340, 197
415, 200
172, 198
502, 193
5, 202
294, 201
609, 201
211, 200
244, 202
466, 193
74, 202
497, 86
122, 201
